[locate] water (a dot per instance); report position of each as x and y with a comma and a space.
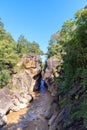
43, 88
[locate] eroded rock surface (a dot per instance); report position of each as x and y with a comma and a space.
5, 104
10, 102
27, 77
50, 74
34, 119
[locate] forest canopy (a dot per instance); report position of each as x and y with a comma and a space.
11, 52
69, 45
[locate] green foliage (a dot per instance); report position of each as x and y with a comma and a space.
70, 46
84, 77
81, 111
74, 115
8, 56
43, 66
62, 103
10, 53
1, 24
4, 78
24, 46
34, 48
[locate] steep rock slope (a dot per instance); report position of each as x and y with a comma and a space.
50, 75
22, 85
27, 77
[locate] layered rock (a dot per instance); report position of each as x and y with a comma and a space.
50, 75
26, 79
10, 102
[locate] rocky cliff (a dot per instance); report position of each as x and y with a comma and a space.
50, 75
57, 111
26, 79
23, 83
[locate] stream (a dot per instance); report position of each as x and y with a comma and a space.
32, 117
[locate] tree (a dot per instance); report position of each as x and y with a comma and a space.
34, 48
8, 55
71, 47
24, 46
1, 24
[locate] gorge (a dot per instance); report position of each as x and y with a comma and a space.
45, 96
35, 104
30, 87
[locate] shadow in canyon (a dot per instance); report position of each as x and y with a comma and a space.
32, 117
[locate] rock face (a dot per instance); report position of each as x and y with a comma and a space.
5, 103
27, 77
10, 102
50, 74
23, 84
26, 80
34, 118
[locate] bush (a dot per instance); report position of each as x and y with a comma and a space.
4, 78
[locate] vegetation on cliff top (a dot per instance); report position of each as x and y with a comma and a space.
11, 52
70, 46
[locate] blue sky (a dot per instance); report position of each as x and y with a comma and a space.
37, 20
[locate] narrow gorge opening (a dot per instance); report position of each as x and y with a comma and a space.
43, 87
40, 85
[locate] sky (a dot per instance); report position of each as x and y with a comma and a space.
37, 20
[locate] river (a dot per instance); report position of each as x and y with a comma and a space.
31, 118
